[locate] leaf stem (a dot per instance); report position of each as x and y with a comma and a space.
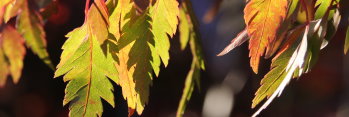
188, 6
87, 4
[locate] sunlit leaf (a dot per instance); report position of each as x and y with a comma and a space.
86, 65
282, 69
142, 39
286, 66
138, 58
282, 31
135, 44
273, 78
263, 18
164, 14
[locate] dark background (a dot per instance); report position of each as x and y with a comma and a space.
324, 92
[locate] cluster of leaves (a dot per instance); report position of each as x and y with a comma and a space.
126, 41
28, 29
294, 32
121, 41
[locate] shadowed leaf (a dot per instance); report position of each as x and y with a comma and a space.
142, 39
189, 36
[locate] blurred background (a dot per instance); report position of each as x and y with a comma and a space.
227, 86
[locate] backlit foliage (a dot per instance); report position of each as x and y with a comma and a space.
124, 42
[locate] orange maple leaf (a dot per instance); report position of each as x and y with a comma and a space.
263, 19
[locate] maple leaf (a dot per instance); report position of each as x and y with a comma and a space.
142, 39
30, 25
86, 64
242, 37
12, 53
135, 44
137, 61
263, 18
164, 14
189, 36
282, 31
283, 67
287, 65
273, 78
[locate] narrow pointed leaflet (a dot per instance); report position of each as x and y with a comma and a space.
237, 41
263, 18
87, 65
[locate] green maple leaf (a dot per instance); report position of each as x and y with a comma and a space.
137, 57
164, 14
86, 66
142, 39
273, 78
281, 68
30, 25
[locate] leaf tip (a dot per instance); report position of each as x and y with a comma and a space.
223, 52
254, 68
237, 41
130, 112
